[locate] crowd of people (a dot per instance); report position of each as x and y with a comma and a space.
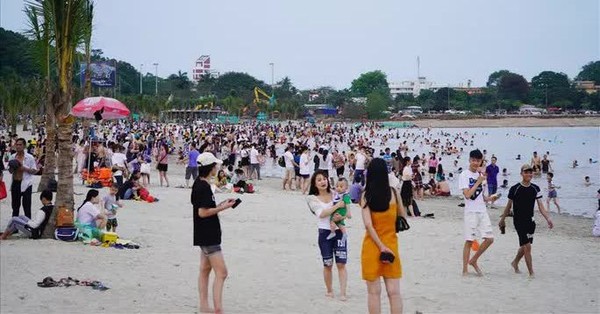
334, 165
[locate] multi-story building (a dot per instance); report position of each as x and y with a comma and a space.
413, 87
201, 68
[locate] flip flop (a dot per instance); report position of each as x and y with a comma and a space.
47, 282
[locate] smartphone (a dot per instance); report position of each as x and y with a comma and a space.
385, 256
237, 202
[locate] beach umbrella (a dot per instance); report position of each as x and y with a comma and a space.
100, 108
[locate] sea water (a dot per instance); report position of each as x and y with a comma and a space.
564, 145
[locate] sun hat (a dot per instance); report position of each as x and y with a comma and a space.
206, 159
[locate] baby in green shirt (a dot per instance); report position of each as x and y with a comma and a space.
342, 194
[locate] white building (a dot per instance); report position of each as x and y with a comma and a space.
201, 67
413, 87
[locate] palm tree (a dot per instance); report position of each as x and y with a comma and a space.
42, 36
68, 23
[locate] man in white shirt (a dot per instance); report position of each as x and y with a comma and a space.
22, 178
288, 178
254, 163
361, 160
476, 219
119, 160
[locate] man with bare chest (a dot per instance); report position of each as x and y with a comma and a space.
22, 169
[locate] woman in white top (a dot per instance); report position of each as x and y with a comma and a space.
89, 214
406, 192
304, 168
320, 203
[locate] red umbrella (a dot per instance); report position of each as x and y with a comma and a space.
108, 108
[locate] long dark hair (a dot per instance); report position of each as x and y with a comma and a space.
90, 194
313, 182
377, 189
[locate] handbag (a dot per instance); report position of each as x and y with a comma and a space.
64, 217
401, 223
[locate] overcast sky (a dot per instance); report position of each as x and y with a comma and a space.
331, 42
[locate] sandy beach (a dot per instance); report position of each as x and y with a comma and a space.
274, 264
509, 122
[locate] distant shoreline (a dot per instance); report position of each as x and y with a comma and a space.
500, 122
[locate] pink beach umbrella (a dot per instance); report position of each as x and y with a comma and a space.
107, 108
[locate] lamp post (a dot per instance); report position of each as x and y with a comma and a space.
272, 77
141, 76
155, 78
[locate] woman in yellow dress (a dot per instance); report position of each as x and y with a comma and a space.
380, 206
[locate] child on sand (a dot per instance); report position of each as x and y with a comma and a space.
552, 195
110, 203
342, 194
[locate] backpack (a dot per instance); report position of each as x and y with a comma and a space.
64, 217
66, 234
281, 161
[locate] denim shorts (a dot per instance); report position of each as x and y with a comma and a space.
210, 249
334, 248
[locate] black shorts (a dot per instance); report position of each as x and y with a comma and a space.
191, 172
297, 172
525, 232
245, 161
432, 170
162, 167
111, 223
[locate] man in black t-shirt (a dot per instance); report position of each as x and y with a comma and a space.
522, 198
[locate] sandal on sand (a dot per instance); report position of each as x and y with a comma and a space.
429, 216
47, 282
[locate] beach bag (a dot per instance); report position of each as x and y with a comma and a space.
64, 217
145, 168
249, 188
66, 233
3, 193
281, 162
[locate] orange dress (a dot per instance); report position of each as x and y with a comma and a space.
385, 227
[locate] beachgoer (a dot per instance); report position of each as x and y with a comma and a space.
32, 228
22, 166
88, 214
417, 178
288, 158
359, 165
552, 194
476, 219
320, 203
191, 170
380, 207
522, 198
207, 232
491, 172
406, 192
432, 163
304, 169
163, 163
110, 204
341, 189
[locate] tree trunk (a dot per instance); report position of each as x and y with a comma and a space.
64, 193
50, 160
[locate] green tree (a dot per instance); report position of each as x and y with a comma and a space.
549, 87
442, 99
369, 82
377, 103
237, 84
590, 72
513, 87
494, 78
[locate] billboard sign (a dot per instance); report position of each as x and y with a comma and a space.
102, 74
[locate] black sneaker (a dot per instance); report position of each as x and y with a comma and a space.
461, 205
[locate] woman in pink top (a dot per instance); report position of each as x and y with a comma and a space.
433, 162
163, 163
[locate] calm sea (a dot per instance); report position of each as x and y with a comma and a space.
564, 145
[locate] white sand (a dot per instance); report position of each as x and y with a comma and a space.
274, 264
